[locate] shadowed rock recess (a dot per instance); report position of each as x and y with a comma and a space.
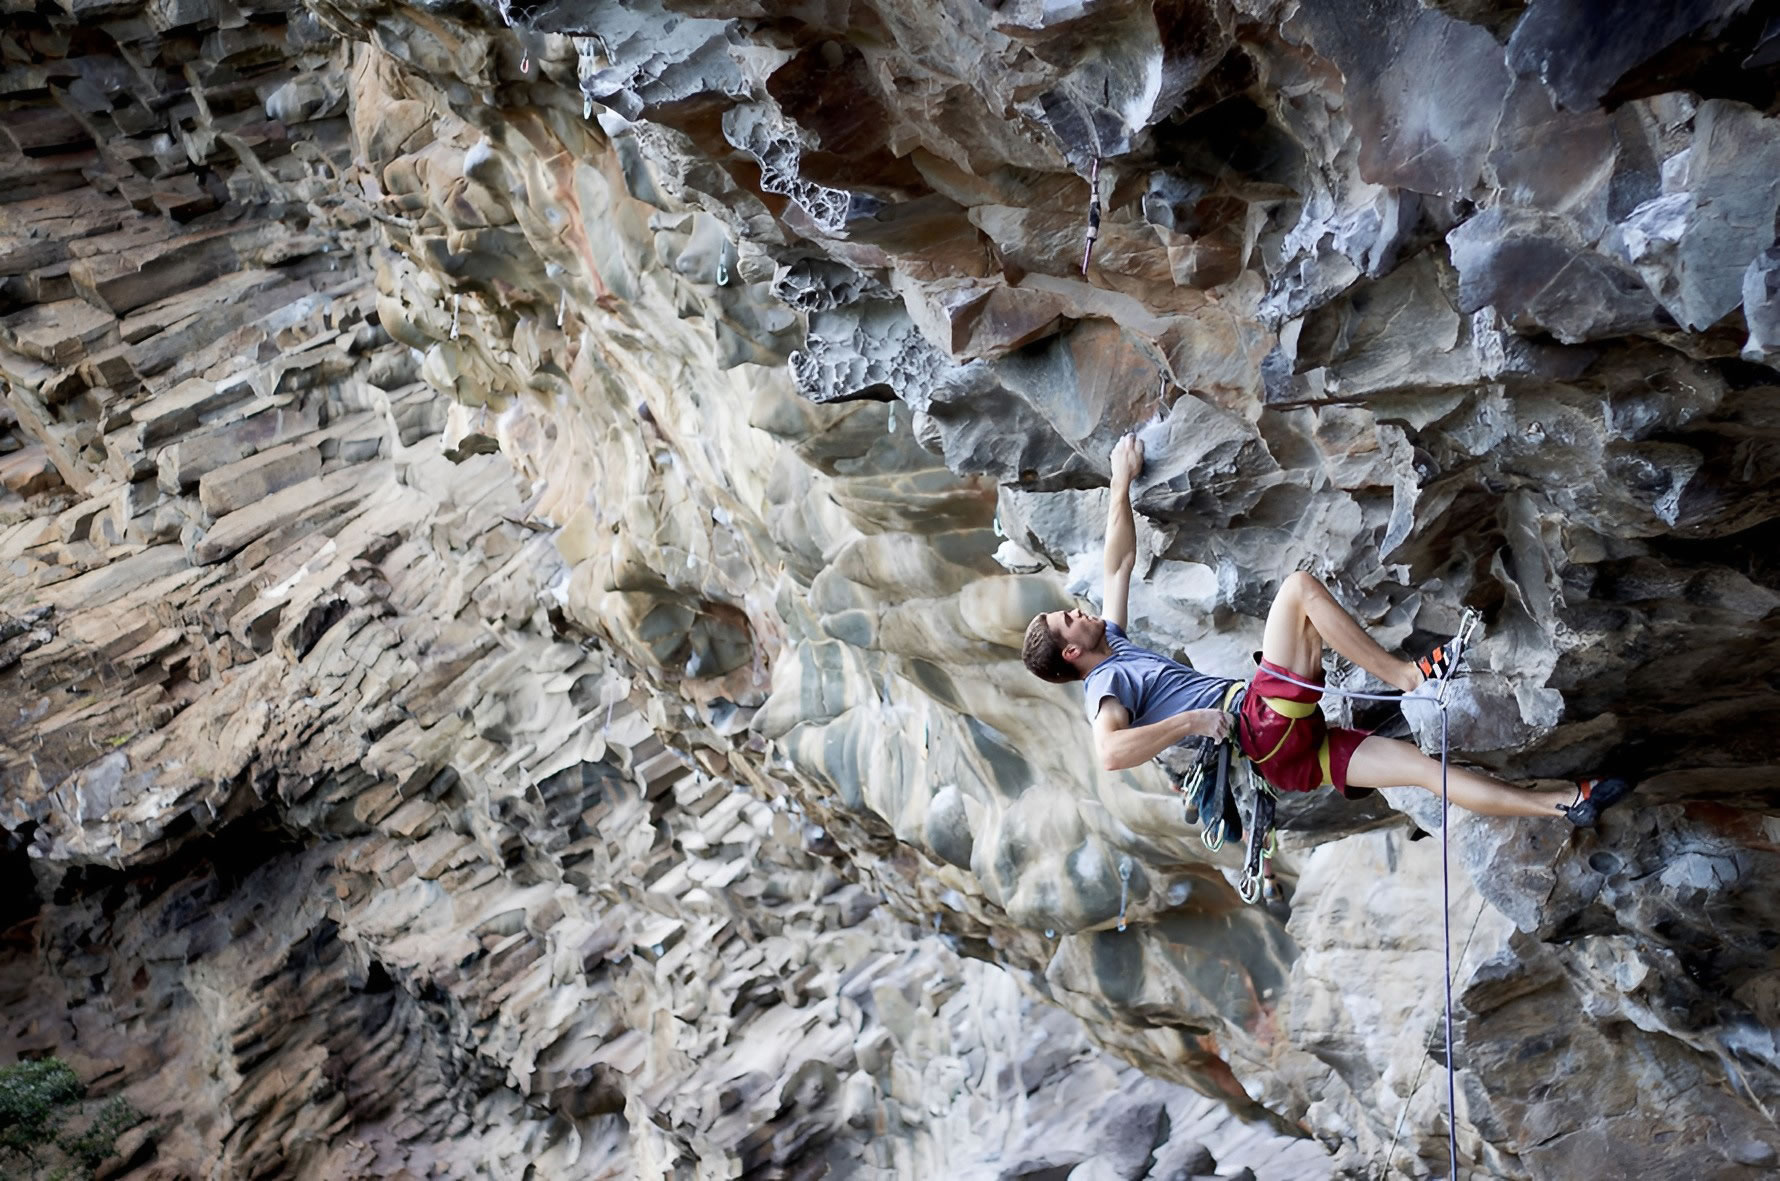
518, 522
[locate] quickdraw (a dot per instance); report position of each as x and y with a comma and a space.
1093, 214
1263, 840
1460, 641
1211, 798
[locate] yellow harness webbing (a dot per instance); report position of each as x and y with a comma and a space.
1286, 708
1294, 711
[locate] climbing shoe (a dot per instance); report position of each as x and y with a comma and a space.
1443, 661
1438, 664
1595, 795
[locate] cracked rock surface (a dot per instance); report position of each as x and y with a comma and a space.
521, 520
332, 841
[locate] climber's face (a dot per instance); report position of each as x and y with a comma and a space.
1076, 631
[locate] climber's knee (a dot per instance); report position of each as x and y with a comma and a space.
1290, 640
1298, 588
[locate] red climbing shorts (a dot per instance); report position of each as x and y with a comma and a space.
1295, 749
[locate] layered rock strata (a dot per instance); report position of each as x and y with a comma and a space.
1452, 303
330, 841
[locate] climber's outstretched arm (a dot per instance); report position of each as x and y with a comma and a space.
1121, 530
1122, 746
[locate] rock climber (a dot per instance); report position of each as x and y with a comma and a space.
1141, 703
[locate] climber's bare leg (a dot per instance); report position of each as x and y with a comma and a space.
1305, 616
1389, 762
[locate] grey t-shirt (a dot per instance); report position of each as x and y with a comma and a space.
1150, 686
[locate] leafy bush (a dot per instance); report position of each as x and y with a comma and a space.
33, 1099
96, 1143
36, 1099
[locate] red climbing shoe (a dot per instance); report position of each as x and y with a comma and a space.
1594, 795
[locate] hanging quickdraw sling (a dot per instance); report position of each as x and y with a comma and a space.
1093, 215
1263, 838
1218, 788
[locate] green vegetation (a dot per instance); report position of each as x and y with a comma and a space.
33, 1098
95, 1144
37, 1099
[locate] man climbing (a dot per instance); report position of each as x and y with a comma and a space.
1142, 703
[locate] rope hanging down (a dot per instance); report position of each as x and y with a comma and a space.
1460, 642
1214, 807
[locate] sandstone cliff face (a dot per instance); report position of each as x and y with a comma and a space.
778, 316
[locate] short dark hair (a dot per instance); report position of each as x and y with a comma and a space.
1044, 655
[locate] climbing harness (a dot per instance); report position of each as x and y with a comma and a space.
1455, 653
1093, 214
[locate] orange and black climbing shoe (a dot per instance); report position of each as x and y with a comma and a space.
1438, 664
1595, 795
1443, 661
